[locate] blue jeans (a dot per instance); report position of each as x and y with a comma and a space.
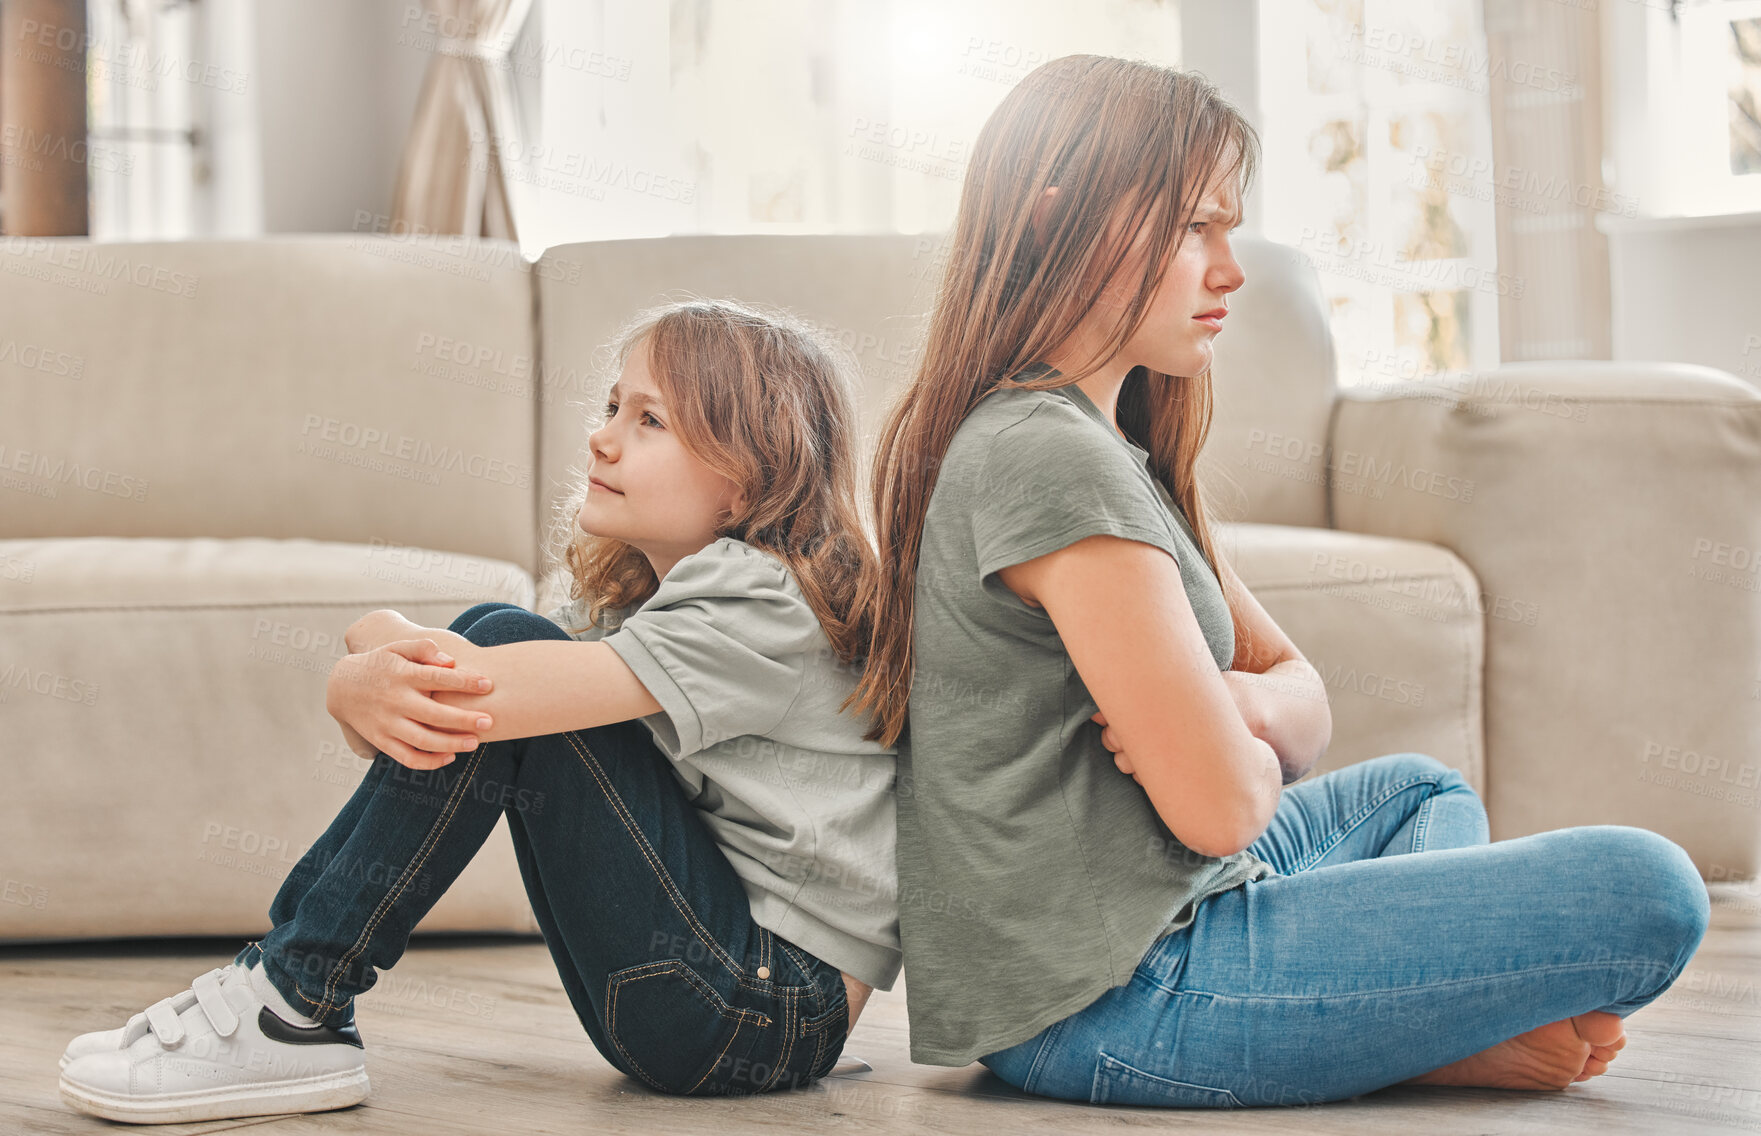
650, 928
1360, 965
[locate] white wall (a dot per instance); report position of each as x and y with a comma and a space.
1684, 290
336, 90
1220, 39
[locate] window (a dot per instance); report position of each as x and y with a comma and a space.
1375, 131
1745, 96
146, 148
743, 116
1715, 122
171, 119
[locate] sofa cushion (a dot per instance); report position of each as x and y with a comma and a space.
1394, 627
167, 747
336, 387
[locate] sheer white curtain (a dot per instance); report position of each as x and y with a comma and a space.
454, 173
1547, 151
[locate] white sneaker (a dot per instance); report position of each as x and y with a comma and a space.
213, 1052
102, 1041
106, 1041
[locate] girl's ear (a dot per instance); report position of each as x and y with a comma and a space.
1041, 211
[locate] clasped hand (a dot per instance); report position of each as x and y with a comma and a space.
1240, 688
382, 699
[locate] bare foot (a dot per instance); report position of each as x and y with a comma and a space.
1547, 1057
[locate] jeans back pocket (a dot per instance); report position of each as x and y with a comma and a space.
1119, 1083
827, 1031
677, 1033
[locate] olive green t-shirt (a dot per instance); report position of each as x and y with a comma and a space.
749, 692
1033, 874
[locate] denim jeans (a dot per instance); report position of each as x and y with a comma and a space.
649, 926
1362, 964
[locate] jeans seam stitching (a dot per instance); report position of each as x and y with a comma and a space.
800, 963
1354, 821
818, 1056
739, 1024
1422, 823
791, 1015
611, 1027
1039, 1057
674, 895
429, 843
1550, 968
1133, 1070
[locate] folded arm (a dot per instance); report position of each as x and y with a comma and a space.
1280, 695
1122, 613
541, 686
547, 686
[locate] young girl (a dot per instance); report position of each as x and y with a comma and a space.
1101, 718
715, 882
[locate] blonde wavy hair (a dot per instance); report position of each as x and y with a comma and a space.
761, 397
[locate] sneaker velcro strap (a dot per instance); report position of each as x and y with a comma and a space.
162, 1019
214, 1004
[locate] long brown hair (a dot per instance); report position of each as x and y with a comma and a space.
1109, 133
762, 398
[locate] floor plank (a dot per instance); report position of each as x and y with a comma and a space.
470, 1035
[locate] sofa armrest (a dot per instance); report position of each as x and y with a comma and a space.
1612, 513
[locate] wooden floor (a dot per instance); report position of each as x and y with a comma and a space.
476, 1036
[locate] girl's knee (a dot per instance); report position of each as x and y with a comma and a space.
1420, 765
1672, 896
472, 614
511, 624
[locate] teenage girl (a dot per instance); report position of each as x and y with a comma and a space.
706, 839
1103, 721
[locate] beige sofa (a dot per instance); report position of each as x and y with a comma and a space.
215, 455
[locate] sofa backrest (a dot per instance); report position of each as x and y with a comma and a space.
1273, 383
1273, 379
339, 387
869, 292
404, 391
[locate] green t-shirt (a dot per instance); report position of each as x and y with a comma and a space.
749, 690
1033, 874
